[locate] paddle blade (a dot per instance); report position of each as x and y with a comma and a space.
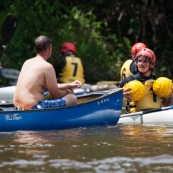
8, 28
1, 52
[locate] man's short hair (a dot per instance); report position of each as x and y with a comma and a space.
42, 42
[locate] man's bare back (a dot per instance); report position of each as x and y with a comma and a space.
36, 76
32, 82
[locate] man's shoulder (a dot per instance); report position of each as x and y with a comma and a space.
47, 65
39, 64
132, 77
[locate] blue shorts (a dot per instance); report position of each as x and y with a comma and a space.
50, 103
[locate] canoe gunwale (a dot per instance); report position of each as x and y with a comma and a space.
99, 94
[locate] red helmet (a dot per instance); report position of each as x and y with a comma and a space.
68, 46
147, 53
136, 48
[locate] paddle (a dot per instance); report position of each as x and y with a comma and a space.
146, 111
8, 28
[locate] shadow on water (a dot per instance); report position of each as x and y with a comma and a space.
123, 148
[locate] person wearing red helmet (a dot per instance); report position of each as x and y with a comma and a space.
136, 48
145, 61
129, 67
68, 47
68, 67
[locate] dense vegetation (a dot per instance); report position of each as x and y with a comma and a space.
103, 31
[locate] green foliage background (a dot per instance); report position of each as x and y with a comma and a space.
103, 32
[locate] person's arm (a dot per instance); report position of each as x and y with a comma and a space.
58, 90
167, 101
127, 93
123, 82
75, 84
51, 83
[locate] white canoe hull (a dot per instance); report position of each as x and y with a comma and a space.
6, 93
164, 116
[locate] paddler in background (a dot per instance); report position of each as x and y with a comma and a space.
67, 65
145, 61
129, 67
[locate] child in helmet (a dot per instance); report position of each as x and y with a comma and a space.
145, 62
68, 67
129, 68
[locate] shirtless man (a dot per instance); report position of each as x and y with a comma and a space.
36, 76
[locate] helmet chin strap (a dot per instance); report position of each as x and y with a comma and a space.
145, 72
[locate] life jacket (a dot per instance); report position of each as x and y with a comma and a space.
125, 69
149, 101
73, 70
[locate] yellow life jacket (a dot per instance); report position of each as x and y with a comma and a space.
125, 69
149, 101
73, 70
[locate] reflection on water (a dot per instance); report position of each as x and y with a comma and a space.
125, 148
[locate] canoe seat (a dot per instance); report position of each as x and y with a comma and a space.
7, 109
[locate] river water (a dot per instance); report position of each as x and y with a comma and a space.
112, 149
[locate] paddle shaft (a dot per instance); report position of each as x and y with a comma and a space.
146, 111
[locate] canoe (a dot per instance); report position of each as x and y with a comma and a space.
162, 115
93, 109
